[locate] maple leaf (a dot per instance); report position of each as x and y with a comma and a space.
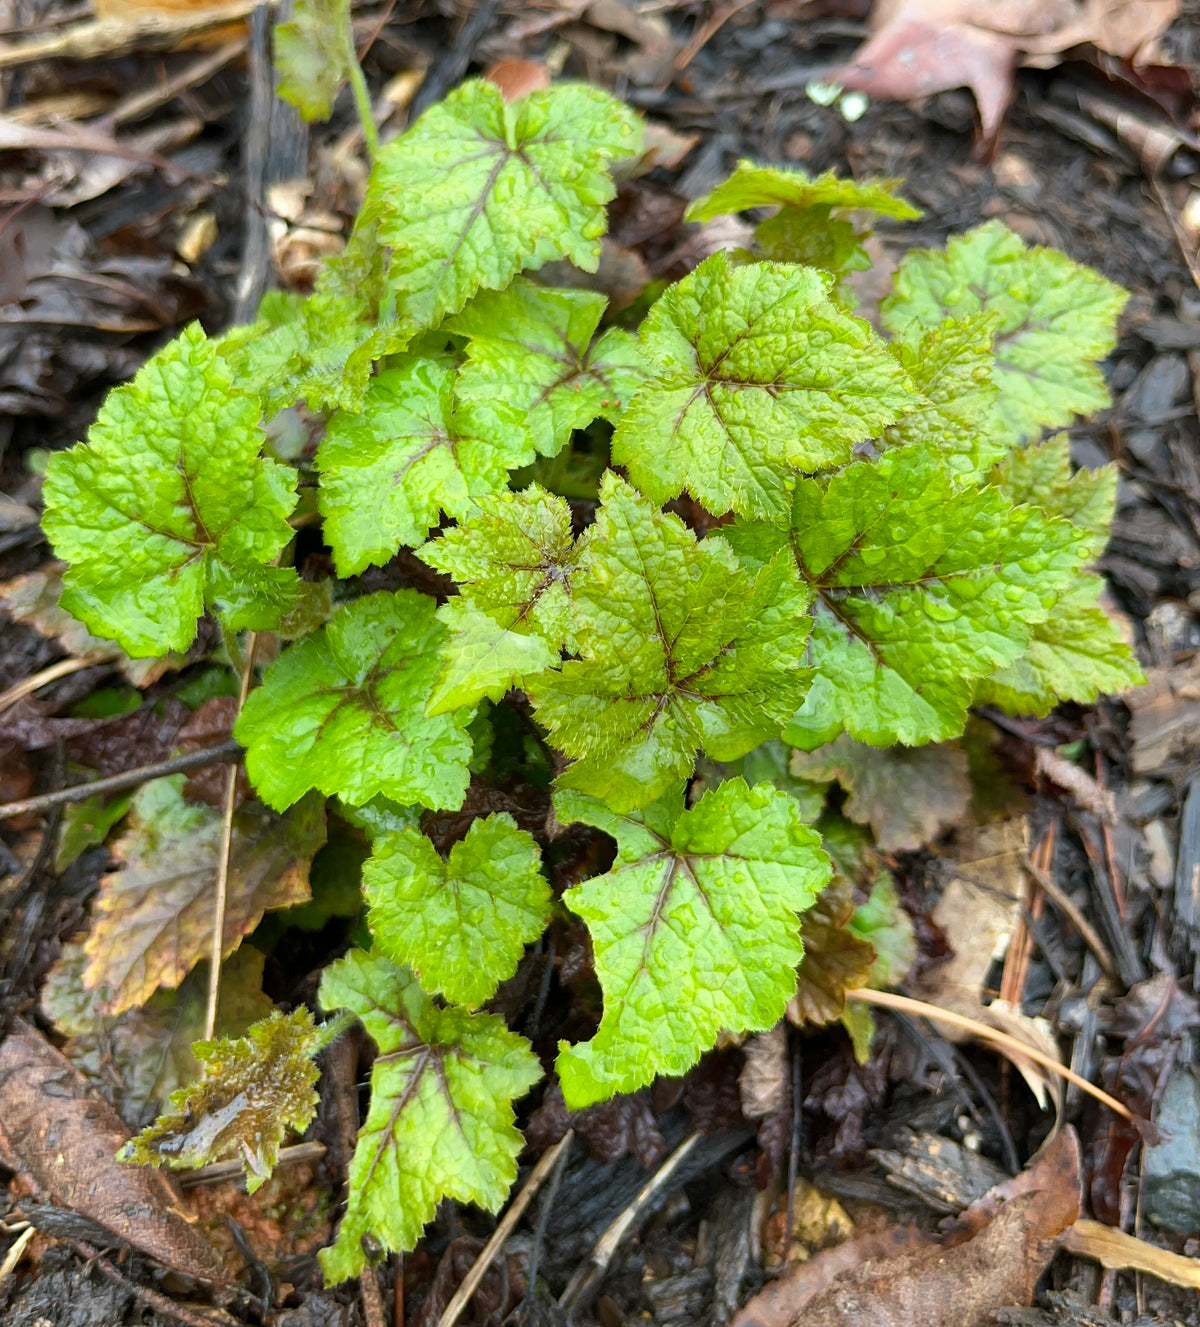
139, 1057
479, 188
694, 929
154, 917
169, 508
387, 472
920, 588
440, 1123
1055, 320
537, 350
753, 373
344, 711
680, 649
461, 924
254, 1090
908, 795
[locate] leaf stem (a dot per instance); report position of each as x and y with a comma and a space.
218, 932
331, 1031
362, 97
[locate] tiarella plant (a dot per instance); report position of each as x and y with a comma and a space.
811, 530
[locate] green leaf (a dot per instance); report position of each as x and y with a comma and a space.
537, 350
888, 929
85, 824
754, 372
344, 711
138, 1058
920, 590
169, 508
1040, 475
440, 1123
951, 366
461, 923
254, 1090
311, 56
154, 917
768, 763
481, 659
752, 185
479, 188
694, 929
388, 472
680, 647
1055, 320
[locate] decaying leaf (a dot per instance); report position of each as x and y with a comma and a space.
835, 959
254, 1090
908, 795
64, 1137
153, 919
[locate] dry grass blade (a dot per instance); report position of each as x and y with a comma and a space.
1010, 1045
1063, 902
64, 668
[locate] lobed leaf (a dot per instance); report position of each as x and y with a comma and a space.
694, 929
752, 185
154, 917
461, 923
754, 373
1040, 474
888, 929
1055, 320
169, 508
537, 350
343, 711
440, 1122
388, 471
920, 590
681, 649
254, 1090
836, 960
480, 188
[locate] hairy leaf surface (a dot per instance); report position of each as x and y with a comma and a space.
344, 711
753, 373
681, 649
154, 917
535, 349
389, 471
440, 1123
254, 1090
480, 188
694, 929
460, 923
752, 185
169, 508
1056, 319
920, 589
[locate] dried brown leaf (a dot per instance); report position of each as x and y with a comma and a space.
835, 959
153, 919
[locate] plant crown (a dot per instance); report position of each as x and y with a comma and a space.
811, 529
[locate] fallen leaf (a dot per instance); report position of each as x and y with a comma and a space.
153, 918
57, 1130
1166, 718
835, 959
518, 78
765, 1083
908, 795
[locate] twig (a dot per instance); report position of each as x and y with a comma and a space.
1116, 1250
886, 1000
222, 754
490, 1251
372, 1299
64, 668
16, 1251
151, 1298
217, 951
217, 1172
610, 1241
1066, 905
707, 31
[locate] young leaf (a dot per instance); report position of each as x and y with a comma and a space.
311, 56
754, 372
1055, 320
154, 917
752, 185
461, 923
888, 929
694, 929
1040, 475
344, 711
920, 590
835, 959
169, 508
513, 560
534, 349
440, 1123
140, 1057
681, 649
951, 366
480, 188
254, 1090
387, 472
